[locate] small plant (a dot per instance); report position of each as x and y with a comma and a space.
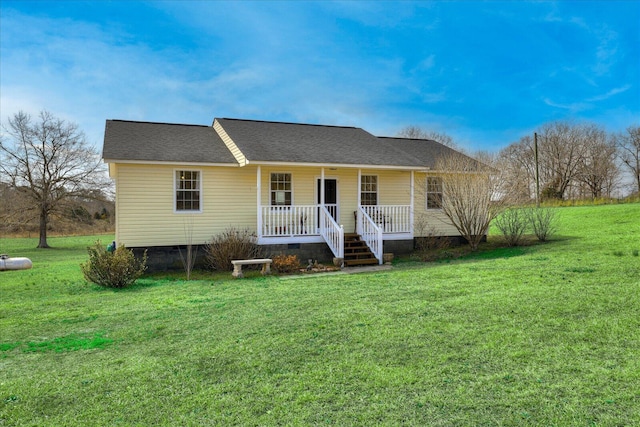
618, 253
543, 222
113, 269
188, 258
431, 240
286, 263
512, 223
635, 252
229, 245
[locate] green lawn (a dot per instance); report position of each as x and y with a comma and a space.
546, 335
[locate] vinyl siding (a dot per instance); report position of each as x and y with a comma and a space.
145, 200
393, 188
241, 159
429, 221
145, 204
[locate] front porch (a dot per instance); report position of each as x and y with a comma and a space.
302, 221
348, 201
317, 223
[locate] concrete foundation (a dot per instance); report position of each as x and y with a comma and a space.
167, 258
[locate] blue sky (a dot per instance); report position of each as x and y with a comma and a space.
486, 73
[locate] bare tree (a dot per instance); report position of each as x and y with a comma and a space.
50, 161
574, 160
415, 132
561, 155
598, 171
517, 163
473, 195
628, 144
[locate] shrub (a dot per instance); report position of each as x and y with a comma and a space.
512, 223
229, 245
431, 240
117, 269
543, 222
286, 263
79, 213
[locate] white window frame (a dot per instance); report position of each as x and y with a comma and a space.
377, 192
271, 191
176, 189
430, 192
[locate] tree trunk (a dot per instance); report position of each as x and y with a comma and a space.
43, 228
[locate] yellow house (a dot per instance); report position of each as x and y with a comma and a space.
318, 191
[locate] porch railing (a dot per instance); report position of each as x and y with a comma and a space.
370, 232
297, 220
332, 233
302, 220
390, 218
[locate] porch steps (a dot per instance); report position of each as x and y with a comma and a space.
356, 251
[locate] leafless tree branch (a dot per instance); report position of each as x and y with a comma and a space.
50, 161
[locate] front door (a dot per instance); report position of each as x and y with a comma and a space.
330, 196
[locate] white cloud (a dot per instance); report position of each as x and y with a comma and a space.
606, 50
609, 94
426, 64
374, 65
573, 107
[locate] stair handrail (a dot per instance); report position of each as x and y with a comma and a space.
332, 233
371, 233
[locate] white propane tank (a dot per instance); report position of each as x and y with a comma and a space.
8, 263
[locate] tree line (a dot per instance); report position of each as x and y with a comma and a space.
573, 161
561, 160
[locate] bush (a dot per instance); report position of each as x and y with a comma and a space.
79, 213
431, 240
512, 223
543, 221
229, 245
286, 263
117, 269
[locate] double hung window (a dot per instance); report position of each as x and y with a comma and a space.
369, 190
281, 189
188, 195
434, 192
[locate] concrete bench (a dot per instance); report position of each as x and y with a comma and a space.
238, 263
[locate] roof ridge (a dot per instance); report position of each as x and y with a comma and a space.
409, 139
290, 123
157, 123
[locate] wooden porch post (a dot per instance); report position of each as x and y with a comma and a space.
359, 188
259, 201
322, 187
411, 207
356, 217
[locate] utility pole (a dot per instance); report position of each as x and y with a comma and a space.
535, 152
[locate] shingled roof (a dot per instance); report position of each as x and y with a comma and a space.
263, 141
425, 152
163, 142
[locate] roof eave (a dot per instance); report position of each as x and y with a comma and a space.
163, 162
338, 165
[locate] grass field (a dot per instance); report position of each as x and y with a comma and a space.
545, 335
